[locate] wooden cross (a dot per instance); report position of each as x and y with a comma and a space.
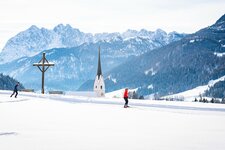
43, 65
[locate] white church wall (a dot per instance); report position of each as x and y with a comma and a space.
99, 86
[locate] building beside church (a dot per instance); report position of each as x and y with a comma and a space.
99, 85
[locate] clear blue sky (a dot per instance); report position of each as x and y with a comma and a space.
96, 16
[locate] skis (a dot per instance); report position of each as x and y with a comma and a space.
126, 106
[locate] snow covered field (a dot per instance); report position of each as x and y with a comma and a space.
55, 122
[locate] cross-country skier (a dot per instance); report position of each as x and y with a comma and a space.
125, 96
15, 90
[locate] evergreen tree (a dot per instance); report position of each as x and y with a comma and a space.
8, 83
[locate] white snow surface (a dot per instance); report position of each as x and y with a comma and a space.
64, 122
150, 86
115, 94
219, 54
151, 70
112, 79
192, 41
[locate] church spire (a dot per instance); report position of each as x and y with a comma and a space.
99, 85
99, 71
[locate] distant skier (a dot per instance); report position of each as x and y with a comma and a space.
125, 96
15, 90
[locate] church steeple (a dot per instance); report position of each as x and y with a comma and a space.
99, 85
99, 71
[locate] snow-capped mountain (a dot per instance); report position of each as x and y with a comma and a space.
179, 66
34, 40
73, 66
143, 61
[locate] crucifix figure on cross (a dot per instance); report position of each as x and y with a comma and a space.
43, 65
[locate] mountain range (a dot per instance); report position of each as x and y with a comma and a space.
151, 62
34, 40
76, 59
179, 66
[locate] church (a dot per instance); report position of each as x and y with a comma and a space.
99, 85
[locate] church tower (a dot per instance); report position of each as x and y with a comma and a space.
99, 85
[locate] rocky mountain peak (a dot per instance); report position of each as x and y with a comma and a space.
33, 28
34, 40
221, 20
64, 28
161, 32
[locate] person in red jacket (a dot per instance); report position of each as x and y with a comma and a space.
125, 96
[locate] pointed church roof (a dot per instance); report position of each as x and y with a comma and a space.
99, 71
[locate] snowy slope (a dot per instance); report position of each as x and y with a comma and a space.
36, 122
118, 93
191, 94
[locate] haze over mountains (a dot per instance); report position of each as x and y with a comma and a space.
153, 62
74, 53
34, 40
